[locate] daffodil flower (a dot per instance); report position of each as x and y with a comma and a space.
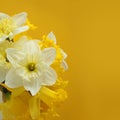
31, 67
11, 26
4, 63
51, 36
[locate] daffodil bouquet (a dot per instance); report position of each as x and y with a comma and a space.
31, 86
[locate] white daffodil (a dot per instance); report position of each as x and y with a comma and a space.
10, 26
4, 68
4, 63
31, 67
51, 36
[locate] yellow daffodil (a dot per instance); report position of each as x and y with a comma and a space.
31, 67
10, 26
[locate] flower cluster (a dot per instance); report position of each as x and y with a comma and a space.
30, 71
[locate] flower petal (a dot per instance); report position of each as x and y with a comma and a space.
49, 55
20, 18
3, 38
64, 65
64, 54
50, 77
33, 85
20, 30
3, 73
19, 43
10, 36
32, 50
12, 79
51, 36
3, 15
14, 56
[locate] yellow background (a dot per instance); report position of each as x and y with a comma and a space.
89, 31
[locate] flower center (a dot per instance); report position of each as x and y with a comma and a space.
31, 66
6, 26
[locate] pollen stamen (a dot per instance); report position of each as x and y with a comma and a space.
31, 67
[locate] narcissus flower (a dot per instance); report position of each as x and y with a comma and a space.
31, 84
31, 67
10, 26
52, 37
4, 63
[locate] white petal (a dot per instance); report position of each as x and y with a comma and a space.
64, 65
49, 55
3, 73
13, 80
51, 36
64, 54
3, 15
50, 77
20, 30
21, 42
23, 72
14, 56
33, 85
32, 50
3, 38
20, 18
